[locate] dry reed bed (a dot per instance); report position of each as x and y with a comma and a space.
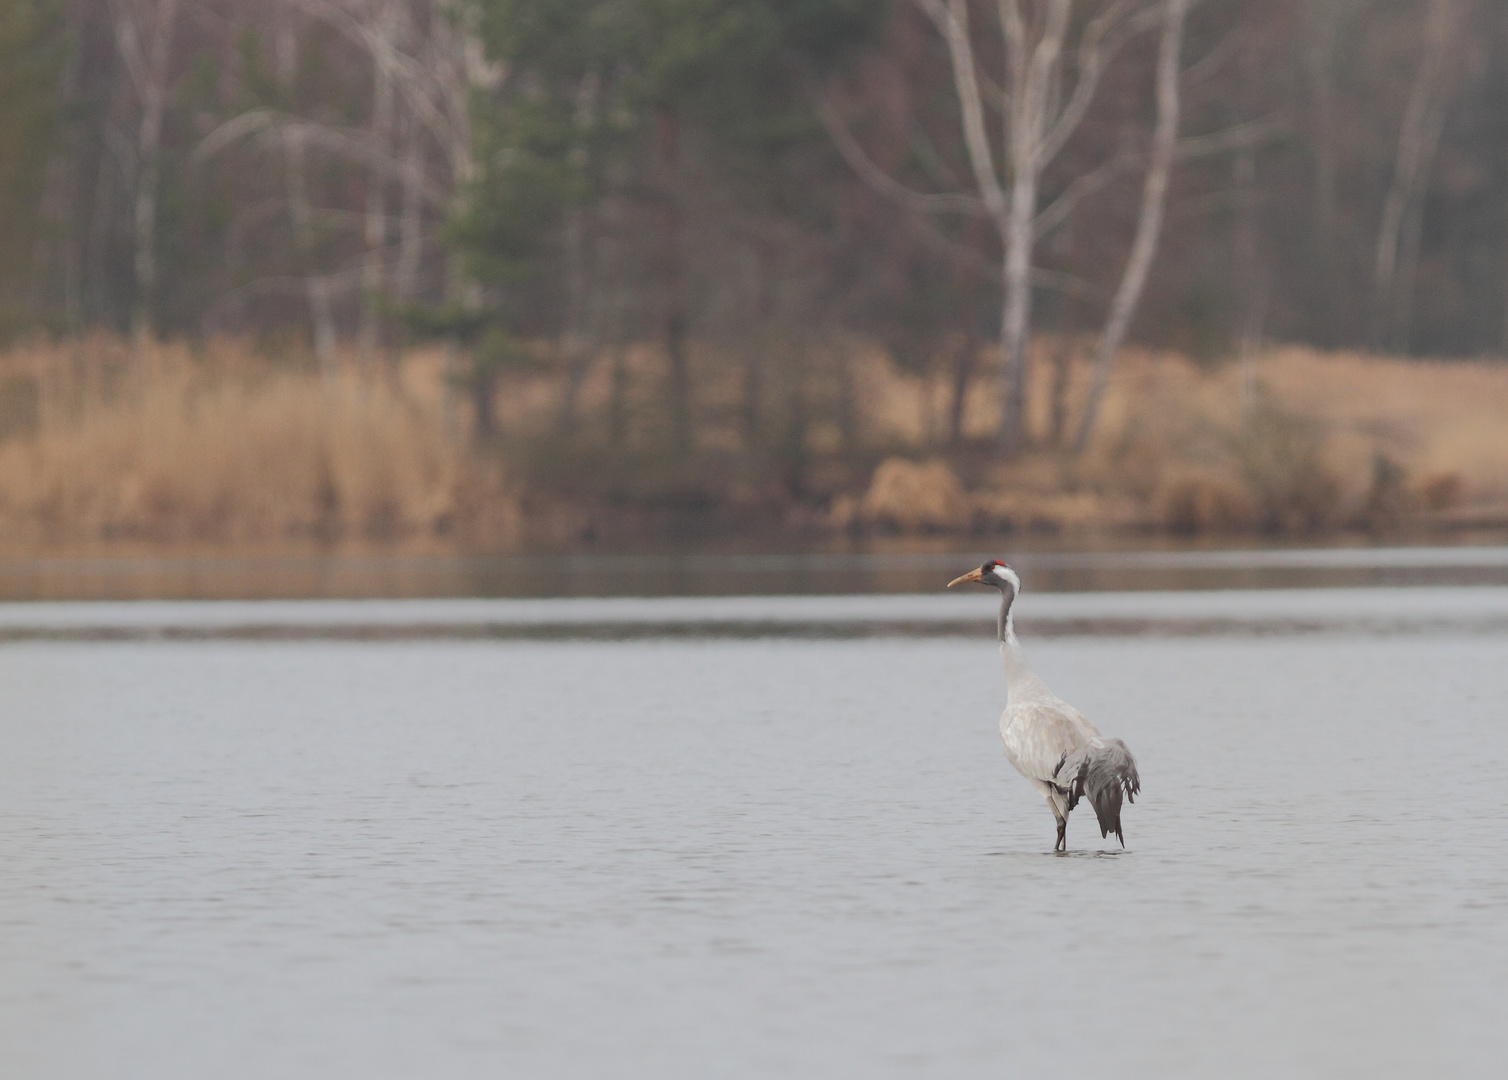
101, 441
166, 445
1294, 441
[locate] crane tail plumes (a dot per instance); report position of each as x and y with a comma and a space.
1104, 774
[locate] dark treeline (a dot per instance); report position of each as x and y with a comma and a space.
556, 181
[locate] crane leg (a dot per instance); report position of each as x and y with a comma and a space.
1062, 844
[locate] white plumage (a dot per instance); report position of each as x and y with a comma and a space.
1061, 754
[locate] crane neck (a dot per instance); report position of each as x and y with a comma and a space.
1004, 626
1020, 680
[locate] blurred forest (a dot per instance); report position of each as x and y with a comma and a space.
523, 271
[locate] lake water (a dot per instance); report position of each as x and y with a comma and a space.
907, 567
745, 840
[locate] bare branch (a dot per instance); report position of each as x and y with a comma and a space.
348, 144
346, 280
1095, 52
1033, 147
1237, 137
932, 161
1081, 188
128, 44
882, 182
251, 122
1013, 31
422, 85
1068, 284
952, 22
1211, 62
1196, 146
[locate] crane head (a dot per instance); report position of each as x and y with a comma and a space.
994, 573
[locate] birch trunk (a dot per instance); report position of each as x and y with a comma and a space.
1015, 316
677, 323
1418, 138
146, 63
144, 222
573, 343
1037, 119
1149, 221
578, 337
375, 227
1034, 87
316, 288
1324, 21
410, 222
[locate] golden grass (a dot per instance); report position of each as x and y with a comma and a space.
105, 442
1436, 418
102, 443
1362, 439
1295, 441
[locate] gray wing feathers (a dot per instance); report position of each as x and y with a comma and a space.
1104, 774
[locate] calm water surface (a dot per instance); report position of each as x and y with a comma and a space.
748, 857
901, 567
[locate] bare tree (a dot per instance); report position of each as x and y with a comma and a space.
426, 61
1149, 223
144, 39
1038, 113
430, 70
1037, 121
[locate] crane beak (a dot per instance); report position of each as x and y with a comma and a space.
972, 575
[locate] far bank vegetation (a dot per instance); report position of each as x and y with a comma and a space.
102, 442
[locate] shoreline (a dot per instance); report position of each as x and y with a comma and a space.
154, 451
835, 570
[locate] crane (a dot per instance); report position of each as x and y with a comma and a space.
1061, 754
